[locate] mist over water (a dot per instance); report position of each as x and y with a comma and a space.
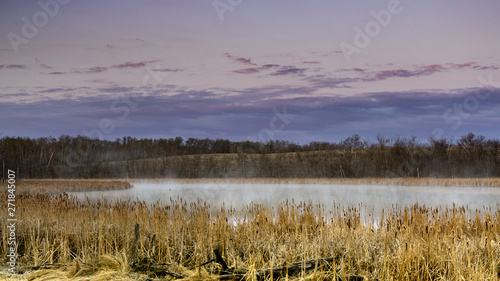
373, 198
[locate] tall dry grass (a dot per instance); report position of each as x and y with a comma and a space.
410, 243
69, 185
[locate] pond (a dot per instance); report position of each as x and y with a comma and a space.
369, 198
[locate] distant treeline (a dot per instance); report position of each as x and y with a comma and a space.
83, 157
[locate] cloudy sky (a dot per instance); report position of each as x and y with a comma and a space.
250, 69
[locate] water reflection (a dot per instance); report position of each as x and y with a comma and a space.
372, 198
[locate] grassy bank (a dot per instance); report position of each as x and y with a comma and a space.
69, 185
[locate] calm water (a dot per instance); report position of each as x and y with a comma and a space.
372, 197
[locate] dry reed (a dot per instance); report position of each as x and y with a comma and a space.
69, 185
410, 243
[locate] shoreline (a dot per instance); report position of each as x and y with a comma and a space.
82, 185
444, 182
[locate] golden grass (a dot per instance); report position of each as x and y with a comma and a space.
106, 267
69, 185
411, 243
447, 182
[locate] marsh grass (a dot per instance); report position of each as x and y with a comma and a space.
69, 185
409, 243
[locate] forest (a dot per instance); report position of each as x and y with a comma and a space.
82, 157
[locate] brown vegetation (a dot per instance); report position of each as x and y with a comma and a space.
81, 157
69, 185
411, 243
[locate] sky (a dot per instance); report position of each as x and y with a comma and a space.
256, 70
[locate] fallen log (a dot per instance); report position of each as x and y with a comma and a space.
242, 276
157, 270
292, 269
226, 273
